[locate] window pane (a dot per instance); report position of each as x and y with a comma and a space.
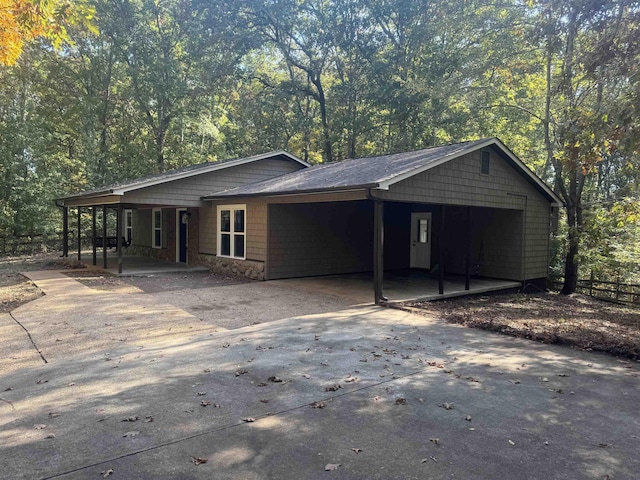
225, 220
157, 219
238, 224
158, 238
238, 244
225, 244
423, 230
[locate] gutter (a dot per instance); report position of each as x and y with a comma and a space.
314, 191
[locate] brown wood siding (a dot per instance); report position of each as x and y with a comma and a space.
320, 239
188, 191
459, 182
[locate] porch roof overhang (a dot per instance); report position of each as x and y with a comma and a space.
114, 194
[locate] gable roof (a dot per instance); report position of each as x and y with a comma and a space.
378, 172
180, 173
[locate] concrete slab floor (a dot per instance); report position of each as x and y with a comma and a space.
396, 396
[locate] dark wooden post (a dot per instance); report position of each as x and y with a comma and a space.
467, 260
65, 231
119, 246
441, 252
79, 233
104, 237
93, 234
378, 250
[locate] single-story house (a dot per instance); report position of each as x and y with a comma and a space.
471, 209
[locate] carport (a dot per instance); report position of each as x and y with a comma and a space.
471, 211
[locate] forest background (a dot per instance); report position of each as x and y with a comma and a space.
94, 92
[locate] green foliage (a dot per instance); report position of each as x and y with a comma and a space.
161, 84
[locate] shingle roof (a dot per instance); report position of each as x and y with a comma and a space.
179, 173
359, 172
377, 172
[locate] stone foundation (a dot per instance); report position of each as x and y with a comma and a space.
229, 266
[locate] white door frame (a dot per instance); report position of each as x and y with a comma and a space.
186, 237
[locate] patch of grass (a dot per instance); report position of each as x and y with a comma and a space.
576, 320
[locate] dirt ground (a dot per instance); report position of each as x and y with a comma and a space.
575, 320
15, 289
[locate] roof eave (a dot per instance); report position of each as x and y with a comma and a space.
312, 191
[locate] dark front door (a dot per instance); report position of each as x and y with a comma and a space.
183, 223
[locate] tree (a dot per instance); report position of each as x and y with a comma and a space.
587, 74
25, 20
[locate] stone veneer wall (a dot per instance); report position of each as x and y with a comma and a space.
159, 253
229, 266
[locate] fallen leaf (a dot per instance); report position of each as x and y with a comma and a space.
264, 400
447, 406
274, 379
207, 370
39, 426
356, 450
333, 388
243, 371
131, 419
352, 379
204, 404
132, 433
106, 473
225, 345
329, 467
544, 379
41, 381
435, 441
51, 435
317, 405
199, 461
148, 419
401, 401
71, 384
468, 418
54, 414
200, 394
261, 384
306, 376
8, 389
249, 420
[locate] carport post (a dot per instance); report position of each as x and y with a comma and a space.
93, 233
65, 231
119, 237
441, 253
104, 237
79, 234
378, 250
467, 260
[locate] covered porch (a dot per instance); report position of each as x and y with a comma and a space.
138, 265
399, 287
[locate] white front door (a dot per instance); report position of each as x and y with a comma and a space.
420, 240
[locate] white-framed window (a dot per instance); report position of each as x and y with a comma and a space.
156, 218
232, 233
128, 225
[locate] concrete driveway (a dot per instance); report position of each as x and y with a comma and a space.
138, 389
